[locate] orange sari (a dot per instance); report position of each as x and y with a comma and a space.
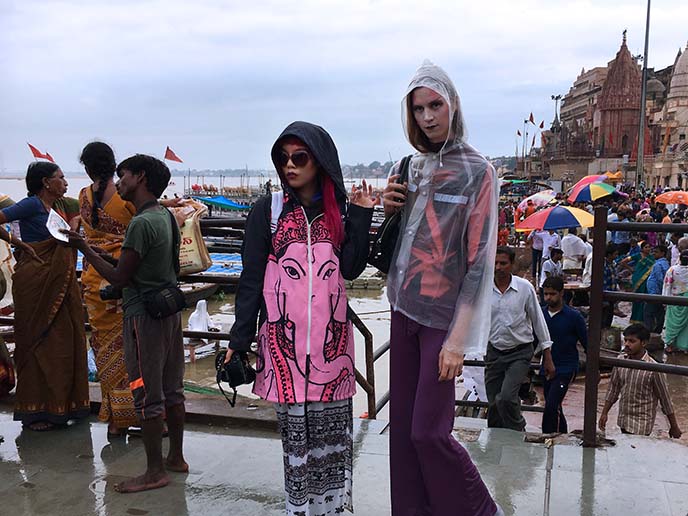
106, 317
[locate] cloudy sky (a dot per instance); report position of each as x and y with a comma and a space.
217, 80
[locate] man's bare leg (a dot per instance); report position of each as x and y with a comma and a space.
155, 475
175, 424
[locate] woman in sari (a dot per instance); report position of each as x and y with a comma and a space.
641, 263
50, 353
105, 217
675, 332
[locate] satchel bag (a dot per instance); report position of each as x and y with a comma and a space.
385, 242
168, 300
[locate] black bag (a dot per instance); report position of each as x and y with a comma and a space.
164, 302
236, 372
388, 233
168, 300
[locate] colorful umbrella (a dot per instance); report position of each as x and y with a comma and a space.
589, 179
592, 192
558, 217
674, 197
542, 198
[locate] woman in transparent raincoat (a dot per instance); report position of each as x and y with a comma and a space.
439, 286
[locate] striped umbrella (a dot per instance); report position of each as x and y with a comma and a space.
558, 217
542, 198
592, 192
597, 178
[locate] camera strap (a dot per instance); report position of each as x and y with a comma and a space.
231, 401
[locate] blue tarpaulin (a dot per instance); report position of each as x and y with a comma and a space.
221, 201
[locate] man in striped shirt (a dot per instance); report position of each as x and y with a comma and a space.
639, 390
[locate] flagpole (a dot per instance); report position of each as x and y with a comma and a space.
640, 165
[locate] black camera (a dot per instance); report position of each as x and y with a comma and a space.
236, 372
110, 293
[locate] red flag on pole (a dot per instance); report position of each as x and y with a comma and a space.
49, 157
38, 154
532, 118
542, 124
170, 155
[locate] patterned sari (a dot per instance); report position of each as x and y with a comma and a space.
641, 270
105, 317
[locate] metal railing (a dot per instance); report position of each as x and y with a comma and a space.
597, 297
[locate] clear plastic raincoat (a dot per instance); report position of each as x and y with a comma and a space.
441, 274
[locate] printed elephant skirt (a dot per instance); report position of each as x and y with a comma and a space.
317, 439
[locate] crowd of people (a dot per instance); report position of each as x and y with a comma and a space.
649, 262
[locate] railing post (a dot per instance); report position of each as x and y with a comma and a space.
369, 360
592, 364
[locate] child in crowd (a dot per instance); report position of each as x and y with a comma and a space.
639, 390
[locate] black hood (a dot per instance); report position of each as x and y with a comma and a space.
320, 143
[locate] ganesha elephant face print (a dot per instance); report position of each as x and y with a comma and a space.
291, 287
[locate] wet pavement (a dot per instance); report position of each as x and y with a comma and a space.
238, 471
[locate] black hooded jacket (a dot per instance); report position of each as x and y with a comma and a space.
257, 245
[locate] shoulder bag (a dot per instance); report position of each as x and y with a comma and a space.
388, 233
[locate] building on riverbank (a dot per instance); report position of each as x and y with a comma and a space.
597, 127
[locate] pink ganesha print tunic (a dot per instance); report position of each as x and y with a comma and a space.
306, 342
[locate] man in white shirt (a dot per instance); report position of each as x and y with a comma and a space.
574, 251
552, 267
550, 239
516, 314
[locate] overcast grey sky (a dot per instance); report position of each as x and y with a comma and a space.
217, 80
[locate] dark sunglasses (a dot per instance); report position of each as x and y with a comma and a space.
300, 158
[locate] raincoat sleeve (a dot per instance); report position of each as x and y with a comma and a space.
254, 258
470, 327
356, 241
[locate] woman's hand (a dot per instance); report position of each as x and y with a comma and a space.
363, 196
228, 356
394, 195
450, 365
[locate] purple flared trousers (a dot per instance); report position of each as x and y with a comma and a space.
431, 473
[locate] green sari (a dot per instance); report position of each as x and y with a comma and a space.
641, 271
676, 326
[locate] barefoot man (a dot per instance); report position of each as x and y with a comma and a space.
153, 348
